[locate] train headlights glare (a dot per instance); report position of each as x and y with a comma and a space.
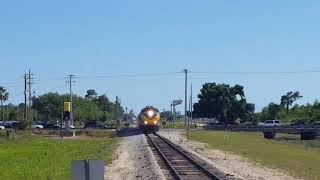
146, 122
155, 122
150, 113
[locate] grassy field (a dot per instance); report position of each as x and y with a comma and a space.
299, 158
179, 125
30, 157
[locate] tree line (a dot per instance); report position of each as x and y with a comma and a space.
228, 105
49, 107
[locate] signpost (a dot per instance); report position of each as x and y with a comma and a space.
226, 138
174, 104
66, 116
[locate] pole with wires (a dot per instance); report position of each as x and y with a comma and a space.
190, 107
25, 98
29, 96
186, 103
70, 81
186, 98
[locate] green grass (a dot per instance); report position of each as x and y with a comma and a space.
42, 158
299, 158
179, 125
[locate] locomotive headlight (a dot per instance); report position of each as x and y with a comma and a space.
155, 122
150, 113
146, 122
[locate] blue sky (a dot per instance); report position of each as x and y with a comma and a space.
92, 38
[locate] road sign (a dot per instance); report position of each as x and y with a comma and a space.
67, 106
176, 102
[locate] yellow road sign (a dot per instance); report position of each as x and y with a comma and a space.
66, 106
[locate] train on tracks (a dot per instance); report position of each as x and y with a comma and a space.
149, 119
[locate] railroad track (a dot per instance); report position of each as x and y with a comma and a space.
180, 165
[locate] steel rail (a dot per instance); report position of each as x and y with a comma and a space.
194, 162
171, 168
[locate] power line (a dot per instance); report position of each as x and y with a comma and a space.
257, 72
130, 75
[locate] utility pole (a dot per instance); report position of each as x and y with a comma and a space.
25, 97
186, 97
190, 106
171, 106
117, 118
191, 102
70, 81
30, 96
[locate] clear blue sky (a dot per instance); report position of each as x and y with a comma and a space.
91, 38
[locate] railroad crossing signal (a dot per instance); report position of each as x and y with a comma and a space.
66, 110
176, 102
67, 106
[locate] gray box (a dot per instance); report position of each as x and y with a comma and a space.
87, 170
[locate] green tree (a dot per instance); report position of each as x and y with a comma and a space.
224, 103
271, 111
166, 115
91, 94
288, 99
86, 110
49, 105
4, 95
89, 108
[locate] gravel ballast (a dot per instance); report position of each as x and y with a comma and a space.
134, 159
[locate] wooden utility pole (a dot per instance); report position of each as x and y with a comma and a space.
116, 113
70, 81
29, 82
25, 97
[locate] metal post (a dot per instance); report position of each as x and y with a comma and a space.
185, 97
171, 106
62, 119
174, 116
29, 83
191, 106
71, 101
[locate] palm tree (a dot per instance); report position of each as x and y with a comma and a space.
288, 99
4, 95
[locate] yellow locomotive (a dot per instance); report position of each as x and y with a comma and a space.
149, 119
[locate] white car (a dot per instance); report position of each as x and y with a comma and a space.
271, 123
36, 126
2, 127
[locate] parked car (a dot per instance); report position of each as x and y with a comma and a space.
298, 123
316, 123
36, 126
271, 123
94, 125
2, 128
50, 126
248, 124
58, 126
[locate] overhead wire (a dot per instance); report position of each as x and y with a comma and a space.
255, 72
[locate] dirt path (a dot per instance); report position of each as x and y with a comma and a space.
134, 160
235, 165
